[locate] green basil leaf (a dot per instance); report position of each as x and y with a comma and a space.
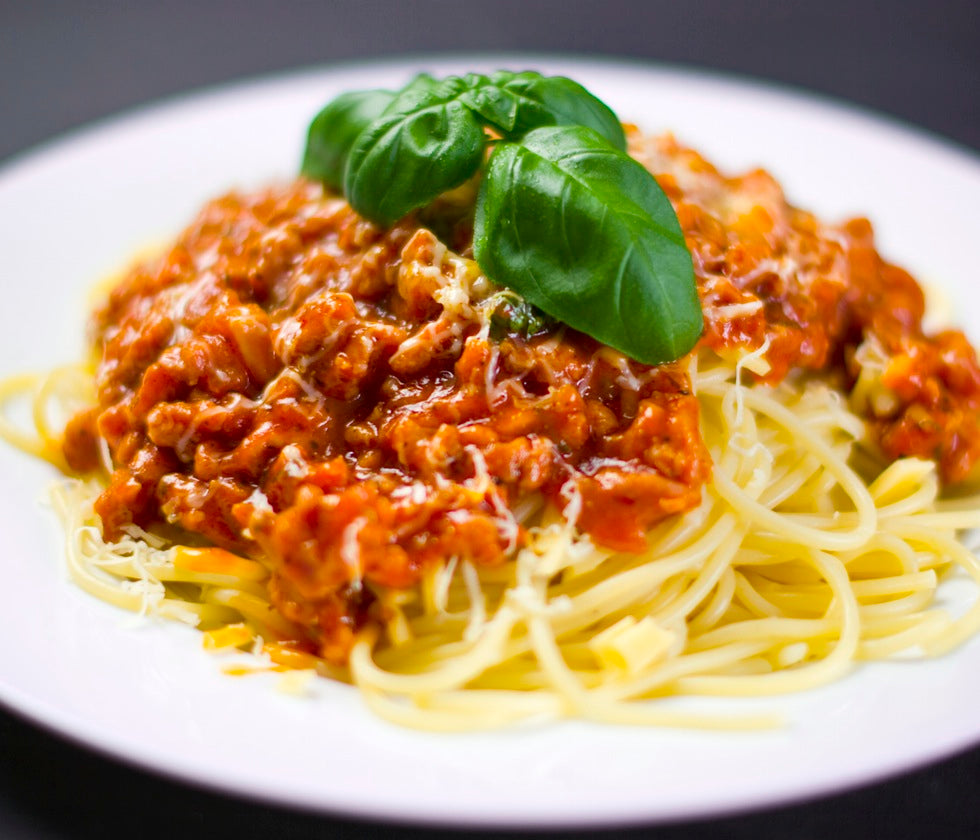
584, 232
334, 130
515, 103
426, 142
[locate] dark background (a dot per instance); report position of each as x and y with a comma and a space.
65, 64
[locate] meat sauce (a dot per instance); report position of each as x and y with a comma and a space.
353, 406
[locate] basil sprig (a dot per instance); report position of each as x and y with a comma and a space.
564, 216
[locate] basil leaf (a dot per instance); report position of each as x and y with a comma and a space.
334, 130
584, 232
515, 103
426, 142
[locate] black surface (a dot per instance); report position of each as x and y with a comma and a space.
65, 64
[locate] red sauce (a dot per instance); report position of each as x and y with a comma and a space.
295, 384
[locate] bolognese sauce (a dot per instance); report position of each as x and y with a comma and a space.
355, 405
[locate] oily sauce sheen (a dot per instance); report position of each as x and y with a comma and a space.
345, 404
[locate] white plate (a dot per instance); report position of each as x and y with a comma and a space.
78, 209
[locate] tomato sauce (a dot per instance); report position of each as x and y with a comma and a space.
347, 404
